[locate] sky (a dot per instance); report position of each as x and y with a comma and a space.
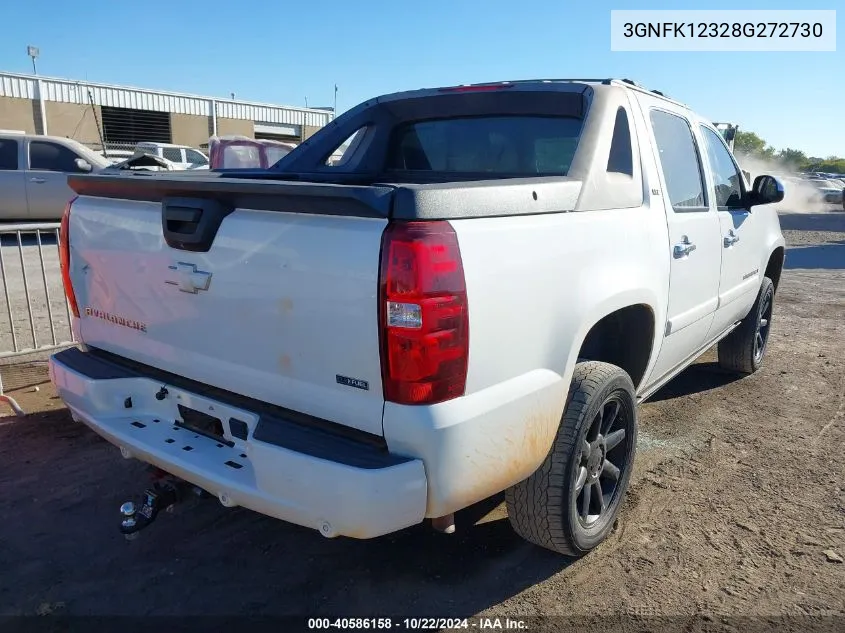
285, 52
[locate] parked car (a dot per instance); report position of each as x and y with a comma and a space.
473, 301
142, 161
182, 156
115, 156
827, 192
34, 171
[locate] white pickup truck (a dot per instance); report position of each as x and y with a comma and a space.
473, 300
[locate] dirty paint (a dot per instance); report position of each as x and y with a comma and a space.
510, 454
284, 364
285, 305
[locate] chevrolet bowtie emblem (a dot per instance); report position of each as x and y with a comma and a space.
188, 278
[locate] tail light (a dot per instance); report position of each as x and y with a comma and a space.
64, 258
423, 314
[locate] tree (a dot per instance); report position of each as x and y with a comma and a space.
749, 143
794, 158
829, 165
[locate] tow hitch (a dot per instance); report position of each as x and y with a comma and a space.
162, 495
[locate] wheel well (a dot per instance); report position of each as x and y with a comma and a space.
775, 266
623, 338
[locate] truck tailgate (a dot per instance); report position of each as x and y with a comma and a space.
281, 308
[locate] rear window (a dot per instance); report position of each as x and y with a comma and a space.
241, 157
496, 145
275, 154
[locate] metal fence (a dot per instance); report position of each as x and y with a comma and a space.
36, 318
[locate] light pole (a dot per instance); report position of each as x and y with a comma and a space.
33, 52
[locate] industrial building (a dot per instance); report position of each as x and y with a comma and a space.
94, 113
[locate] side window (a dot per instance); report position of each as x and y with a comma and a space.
8, 154
45, 156
680, 162
727, 178
343, 152
173, 154
194, 157
621, 158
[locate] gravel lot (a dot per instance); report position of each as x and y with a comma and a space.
737, 509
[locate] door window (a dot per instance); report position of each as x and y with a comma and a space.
195, 158
46, 156
680, 162
727, 178
173, 154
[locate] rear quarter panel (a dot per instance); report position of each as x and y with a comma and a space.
536, 285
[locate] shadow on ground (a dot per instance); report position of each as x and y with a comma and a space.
828, 256
833, 220
694, 379
62, 485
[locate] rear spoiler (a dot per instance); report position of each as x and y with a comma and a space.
263, 190
245, 193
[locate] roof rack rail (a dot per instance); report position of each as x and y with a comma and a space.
606, 81
525, 81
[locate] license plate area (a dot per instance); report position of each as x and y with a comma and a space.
202, 424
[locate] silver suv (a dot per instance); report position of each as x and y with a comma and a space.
33, 175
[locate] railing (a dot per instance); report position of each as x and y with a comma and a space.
37, 315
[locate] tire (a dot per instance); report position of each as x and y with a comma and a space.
542, 509
742, 351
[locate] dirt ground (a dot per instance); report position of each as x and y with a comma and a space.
737, 508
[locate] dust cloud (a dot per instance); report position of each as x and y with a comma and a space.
799, 196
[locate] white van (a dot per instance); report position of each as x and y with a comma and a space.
182, 156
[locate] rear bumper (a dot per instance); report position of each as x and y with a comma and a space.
305, 476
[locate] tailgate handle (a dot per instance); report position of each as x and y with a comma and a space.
191, 224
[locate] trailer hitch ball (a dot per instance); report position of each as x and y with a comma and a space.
129, 522
127, 510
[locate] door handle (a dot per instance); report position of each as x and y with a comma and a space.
731, 239
684, 248
39, 181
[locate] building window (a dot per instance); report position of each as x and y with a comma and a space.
127, 126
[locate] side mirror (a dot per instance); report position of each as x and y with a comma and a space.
83, 165
766, 190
